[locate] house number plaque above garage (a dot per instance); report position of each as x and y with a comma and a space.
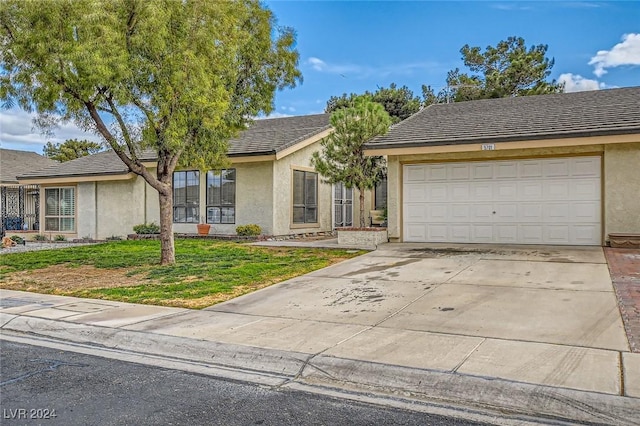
488, 146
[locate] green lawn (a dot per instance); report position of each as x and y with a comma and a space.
206, 272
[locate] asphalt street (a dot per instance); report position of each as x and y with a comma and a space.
44, 386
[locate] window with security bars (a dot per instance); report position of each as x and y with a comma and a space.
305, 197
221, 196
186, 196
60, 209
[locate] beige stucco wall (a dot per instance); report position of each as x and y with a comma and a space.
120, 205
86, 220
283, 193
395, 163
622, 188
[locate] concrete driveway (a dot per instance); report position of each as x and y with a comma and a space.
544, 315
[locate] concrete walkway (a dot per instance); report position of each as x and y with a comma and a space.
525, 330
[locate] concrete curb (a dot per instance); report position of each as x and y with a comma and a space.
285, 365
487, 394
509, 399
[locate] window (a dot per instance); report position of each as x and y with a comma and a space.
381, 194
60, 209
305, 197
186, 196
221, 196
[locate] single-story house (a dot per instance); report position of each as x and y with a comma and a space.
19, 204
549, 169
269, 182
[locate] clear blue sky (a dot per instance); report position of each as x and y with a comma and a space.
353, 46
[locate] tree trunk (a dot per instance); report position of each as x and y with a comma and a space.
167, 251
362, 221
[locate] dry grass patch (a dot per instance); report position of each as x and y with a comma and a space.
62, 279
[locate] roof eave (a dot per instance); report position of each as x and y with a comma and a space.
510, 138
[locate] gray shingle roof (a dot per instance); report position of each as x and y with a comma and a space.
14, 163
595, 113
267, 136
273, 135
102, 163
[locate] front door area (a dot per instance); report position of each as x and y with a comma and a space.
342, 206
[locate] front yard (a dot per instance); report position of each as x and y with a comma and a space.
206, 273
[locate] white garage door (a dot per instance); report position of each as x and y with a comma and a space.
538, 201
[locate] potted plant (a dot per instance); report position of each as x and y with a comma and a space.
203, 228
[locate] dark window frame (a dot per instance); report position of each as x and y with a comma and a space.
222, 205
187, 206
308, 209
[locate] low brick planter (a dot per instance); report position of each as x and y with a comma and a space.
369, 237
621, 240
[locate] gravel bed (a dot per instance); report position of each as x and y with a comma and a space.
37, 245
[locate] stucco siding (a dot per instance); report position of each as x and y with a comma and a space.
86, 221
622, 188
120, 206
283, 193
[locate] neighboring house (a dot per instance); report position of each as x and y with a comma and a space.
19, 204
269, 182
549, 169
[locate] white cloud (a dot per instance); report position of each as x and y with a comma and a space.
17, 131
364, 71
317, 64
577, 83
510, 6
625, 53
273, 115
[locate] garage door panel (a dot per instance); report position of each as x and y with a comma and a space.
437, 212
482, 213
415, 174
437, 192
506, 212
556, 212
535, 201
459, 192
417, 212
461, 233
506, 233
416, 232
585, 189
556, 168
584, 234
481, 191
530, 169
557, 234
531, 234
506, 191
585, 211
556, 190
459, 171
531, 213
506, 170
436, 172
482, 233
530, 190
418, 193
586, 167
438, 232
482, 171
460, 213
